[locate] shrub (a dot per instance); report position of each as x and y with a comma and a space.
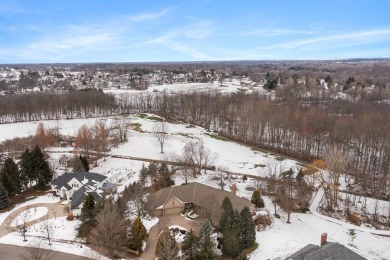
354, 219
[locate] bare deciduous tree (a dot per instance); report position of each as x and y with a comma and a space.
110, 232
21, 222
36, 251
198, 155
336, 162
47, 230
160, 130
167, 248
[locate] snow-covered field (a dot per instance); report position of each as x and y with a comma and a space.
276, 242
29, 215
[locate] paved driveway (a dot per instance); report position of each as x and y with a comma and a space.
164, 221
6, 228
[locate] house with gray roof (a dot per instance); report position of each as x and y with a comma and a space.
193, 196
328, 251
75, 186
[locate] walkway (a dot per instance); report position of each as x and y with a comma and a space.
313, 209
164, 221
6, 228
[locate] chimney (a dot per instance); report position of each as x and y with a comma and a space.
233, 188
324, 237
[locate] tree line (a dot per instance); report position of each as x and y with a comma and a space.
46, 106
303, 128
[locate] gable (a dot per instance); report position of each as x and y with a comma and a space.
173, 203
75, 183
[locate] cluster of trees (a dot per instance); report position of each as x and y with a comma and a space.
302, 126
194, 247
43, 106
33, 170
158, 175
238, 229
107, 226
93, 141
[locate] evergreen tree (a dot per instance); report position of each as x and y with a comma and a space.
166, 248
84, 163
206, 244
143, 175
40, 168
165, 175
41, 183
256, 199
10, 177
88, 211
35, 168
4, 200
248, 229
138, 234
26, 167
227, 212
231, 242
190, 246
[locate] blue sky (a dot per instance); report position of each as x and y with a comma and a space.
33, 31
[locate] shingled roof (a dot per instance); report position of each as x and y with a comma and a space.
197, 193
87, 178
80, 195
329, 251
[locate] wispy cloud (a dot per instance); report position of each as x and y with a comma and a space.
276, 32
337, 40
169, 41
150, 16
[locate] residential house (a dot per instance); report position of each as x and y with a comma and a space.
192, 196
75, 186
327, 251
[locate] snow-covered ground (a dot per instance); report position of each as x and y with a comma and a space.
41, 199
64, 238
63, 229
282, 239
276, 242
29, 215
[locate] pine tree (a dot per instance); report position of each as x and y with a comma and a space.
256, 199
206, 244
143, 175
138, 234
26, 167
42, 172
248, 229
4, 200
10, 177
166, 248
231, 241
227, 212
190, 246
84, 162
88, 212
